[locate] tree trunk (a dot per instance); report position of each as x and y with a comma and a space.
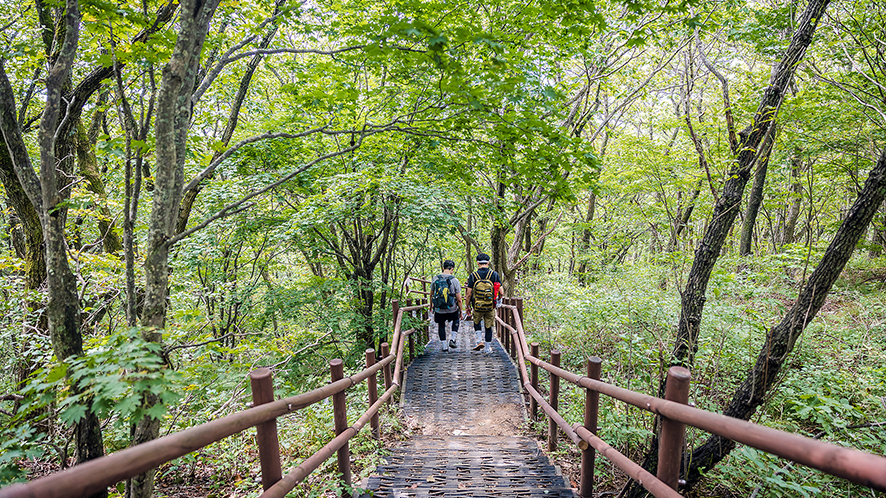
366, 298
790, 224
48, 201
171, 132
469, 256
33, 255
727, 206
756, 197
585, 244
780, 341
498, 241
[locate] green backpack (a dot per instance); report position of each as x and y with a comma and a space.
441, 295
482, 294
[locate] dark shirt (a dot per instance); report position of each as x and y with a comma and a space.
483, 272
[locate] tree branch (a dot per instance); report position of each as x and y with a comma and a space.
235, 206
633, 94
170, 349
207, 171
225, 59
727, 105
819, 76
538, 242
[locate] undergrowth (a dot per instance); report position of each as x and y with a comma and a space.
833, 388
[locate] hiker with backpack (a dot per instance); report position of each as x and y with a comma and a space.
482, 292
446, 299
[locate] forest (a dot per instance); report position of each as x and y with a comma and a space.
192, 189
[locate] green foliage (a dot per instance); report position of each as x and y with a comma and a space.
111, 380
831, 389
777, 480
16, 443
470, 117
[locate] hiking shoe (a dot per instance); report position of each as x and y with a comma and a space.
478, 347
452, 344
487, 349
445, 347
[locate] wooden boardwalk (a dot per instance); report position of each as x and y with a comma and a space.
466, 409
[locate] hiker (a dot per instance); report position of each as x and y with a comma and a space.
446, 298
482, 292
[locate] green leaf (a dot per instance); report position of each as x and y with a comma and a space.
72, 414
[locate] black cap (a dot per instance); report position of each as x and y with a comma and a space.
482, 258
448, 264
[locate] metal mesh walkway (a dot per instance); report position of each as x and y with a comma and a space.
468, 407
456, 386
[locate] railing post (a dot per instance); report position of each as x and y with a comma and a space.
385, 352
266, 433
670, 441
533, 405
395, 308
371, 383
555, 394
340, 415
504, 335
520, 307
424, 316
411, 339
592, 403
512, 323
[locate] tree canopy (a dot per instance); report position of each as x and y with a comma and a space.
191, 189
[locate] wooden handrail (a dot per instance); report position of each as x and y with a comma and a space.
545, 406
847, 463
647, 480
298, 474
631, 468
96, 475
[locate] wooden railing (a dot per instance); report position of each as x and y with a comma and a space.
850, 464
93, 476
96, 475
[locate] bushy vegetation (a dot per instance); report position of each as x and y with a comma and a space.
833, 391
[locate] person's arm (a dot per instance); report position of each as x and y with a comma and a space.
468, 299
458, 301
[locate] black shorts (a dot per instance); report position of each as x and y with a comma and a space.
446, 317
